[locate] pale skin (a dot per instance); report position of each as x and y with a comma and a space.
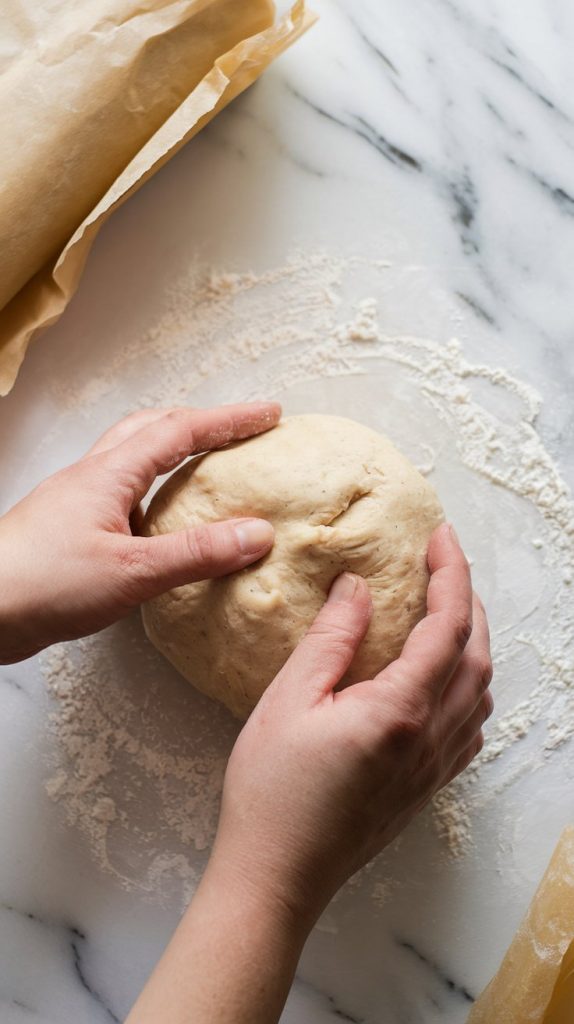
320, 780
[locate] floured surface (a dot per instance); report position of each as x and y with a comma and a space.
440, 147
139, 762
291, 333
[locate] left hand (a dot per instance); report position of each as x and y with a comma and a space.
69, 563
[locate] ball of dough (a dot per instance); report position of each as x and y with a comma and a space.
340, 496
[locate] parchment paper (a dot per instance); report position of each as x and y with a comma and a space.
94, 98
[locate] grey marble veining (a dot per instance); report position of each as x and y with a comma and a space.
440, 135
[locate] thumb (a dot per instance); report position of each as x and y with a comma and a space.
174, 559
324, 654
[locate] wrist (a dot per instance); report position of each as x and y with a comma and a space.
251, 890
233, 956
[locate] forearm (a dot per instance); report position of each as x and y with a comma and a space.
231, 960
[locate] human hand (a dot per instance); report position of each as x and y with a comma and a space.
70, 564
321, 780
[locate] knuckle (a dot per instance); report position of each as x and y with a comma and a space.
181, 419
179, 422
461, 630
410, 738
488, 704
428, 766
482, 671
133, 557
200, 546
134, 570
361, 749
410, 728
486, 671
177, 415
333, 633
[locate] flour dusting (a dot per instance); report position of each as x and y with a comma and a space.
124, 771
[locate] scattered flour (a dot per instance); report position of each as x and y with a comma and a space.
224, 336
116, 742
365, 324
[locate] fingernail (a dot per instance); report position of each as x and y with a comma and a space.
453, 534
344, 588
254, 535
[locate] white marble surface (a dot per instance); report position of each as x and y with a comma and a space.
439, 136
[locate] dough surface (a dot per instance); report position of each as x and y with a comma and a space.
340, 496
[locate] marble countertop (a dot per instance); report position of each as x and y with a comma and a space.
438, 139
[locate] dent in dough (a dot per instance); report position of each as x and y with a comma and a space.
340, 497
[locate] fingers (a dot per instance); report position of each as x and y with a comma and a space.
125, 428
463, 760
469, 686
161, 445
174, 559
324, 654
469, 730
472, 677
435, 646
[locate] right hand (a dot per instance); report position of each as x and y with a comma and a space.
321, 780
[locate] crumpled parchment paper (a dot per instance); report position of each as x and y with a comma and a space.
94, 98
